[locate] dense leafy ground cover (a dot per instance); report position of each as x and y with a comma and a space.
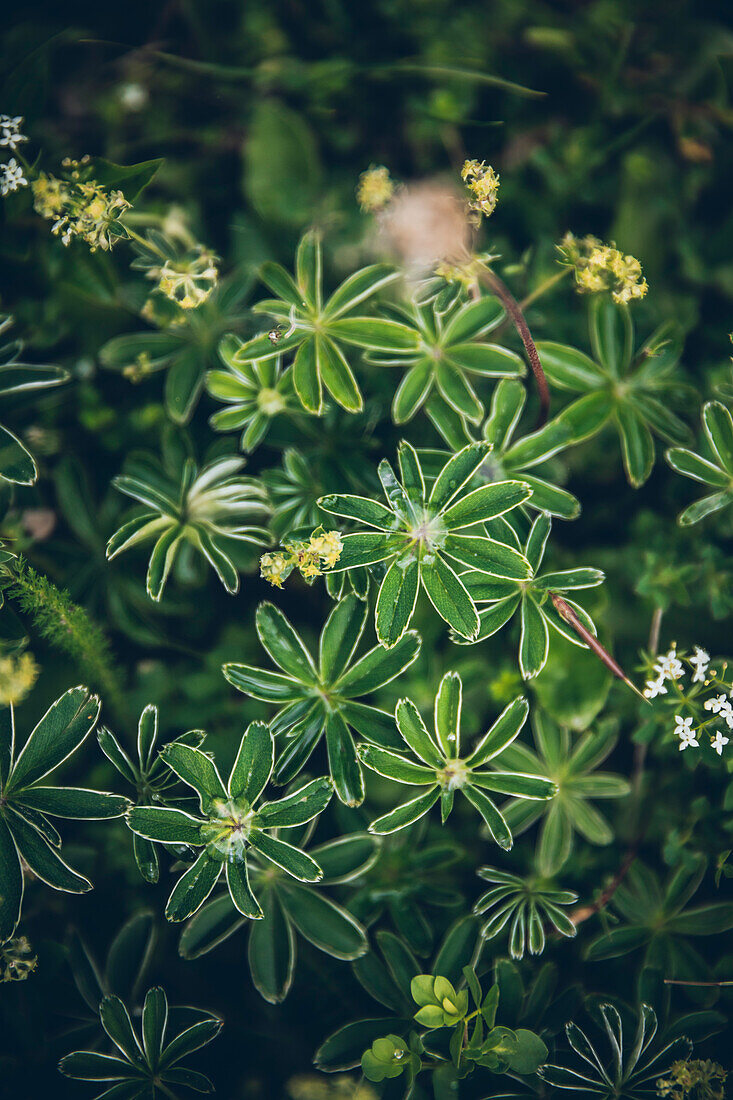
366, 454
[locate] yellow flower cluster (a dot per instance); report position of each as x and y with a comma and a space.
375, 189
483, 185
18, 674
308, 1086
601, 267
16, 960
311, 558
189, 281
80, 207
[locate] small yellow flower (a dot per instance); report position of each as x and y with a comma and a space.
375, 189
599, 267
483, 184
276, 567
327, 546
18, 674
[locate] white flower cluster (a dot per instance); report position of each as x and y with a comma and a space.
670, 669
11, 173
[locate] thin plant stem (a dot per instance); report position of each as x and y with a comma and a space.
507, 299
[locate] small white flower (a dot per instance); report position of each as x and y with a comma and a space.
669, 667
714, 703
683, 728
726, 713
699, 661
719, 741
12, 177
654, 688
688, 742
10, 134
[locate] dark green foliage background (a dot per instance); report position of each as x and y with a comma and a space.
265, 114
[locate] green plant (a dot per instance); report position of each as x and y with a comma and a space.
233, 821
27, 838
443, 770
717, 473
148, 1066
202, 508
418, 537
524, 902
323, 700
572, 770
631, 1071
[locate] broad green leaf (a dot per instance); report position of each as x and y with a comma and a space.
16, 462
306, 377
61, 731
253, 767
413, 730
486, 555
458, 392
448, 714
115, 1020
486, 503
326, 925
569, 369
155, 1018
449, 597
260, 683
718, 425
611, 333
165, 824
193, 888
337, 375
43, 860
296, 808
284, 644
534, 642
343, 762
637, 444
504, 730
366, 511
397, 599
357, 288
456, 473
240, 891
374, 333
487, 360
197, 770
74, 802
405, 815
393, 766
693, 465
365, 549
472, 320
340, 637
11, 876
492, 816
412, 391
271, 951
379, 666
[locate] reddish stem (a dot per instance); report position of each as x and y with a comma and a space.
507, 299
